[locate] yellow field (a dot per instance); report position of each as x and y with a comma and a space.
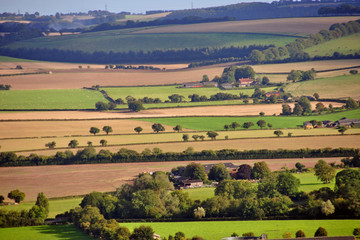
282, 25
102, 177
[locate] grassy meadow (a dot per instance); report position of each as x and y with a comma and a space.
345, 45
217, 123
45, 232
116, 41
215, 230
334, 87
50, 99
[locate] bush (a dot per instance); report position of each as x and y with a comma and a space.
286, 235
300, 234
248, 234
356, 232
320, 232
353, 72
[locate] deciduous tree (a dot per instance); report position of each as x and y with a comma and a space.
16, 195
94, 130
177, 128
107, 129
138, 129
158, 127
261, 123
324, 171
218, 173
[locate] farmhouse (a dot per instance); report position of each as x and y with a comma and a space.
227, 165
210, 84
193, 85
245, 82
227, 85
189, 183
274, 93
348, 122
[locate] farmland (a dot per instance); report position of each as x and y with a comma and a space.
346, 45
281, 25
102, 177
274, 229
117, 41
328, 87
49, 99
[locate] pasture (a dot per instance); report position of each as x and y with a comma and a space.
301, 26
345, 45
215, 230
163, 92
335, 87
117, 41
50, 99
45, 232
102, 177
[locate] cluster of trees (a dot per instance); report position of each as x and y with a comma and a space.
298, 75
340, 10
18, 32
88, 155
35, 216
294, 50
302, 107
101, 106
234, 125
140, 67
234, 73
155, 56
95, 130
4, 87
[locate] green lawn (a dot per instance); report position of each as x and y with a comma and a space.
220, 229
334, 87
200, 193
345, 45
217, 123
163, 92
50, 99
55, 206
116, 41
309, 182
46, 232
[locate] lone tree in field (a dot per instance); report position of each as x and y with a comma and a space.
270, 125
177, 128
107, 129
212, 135
278, 133
157, 127
185, 137
316, 96
226, 127
73, 143
50, 145
234, 125
248, 125
94, 130
324, 171
103, 142
342, 129
135, 106
300, 234
261, 123
320, 232
42, 201
16, 195
138, 129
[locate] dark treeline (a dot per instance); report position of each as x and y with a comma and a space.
340, 10
88, 155
194, 54
19, 32
158, 22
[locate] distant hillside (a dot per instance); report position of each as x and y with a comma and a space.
256, 10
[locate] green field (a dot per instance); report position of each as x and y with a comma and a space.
50, 99
200, 193
220, 229
345, 45
163, 92
116, 41
10, 59
55, 206
309, 182
334, 87
217, 123
46, 232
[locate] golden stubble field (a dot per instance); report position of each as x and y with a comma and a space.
281, 25
73, 180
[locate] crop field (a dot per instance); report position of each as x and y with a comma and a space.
317, 65
281, 25
345, 45
217, 123
117, 42
102, 177
55, 206
163, 92
50, 99
273, 228
45, 232
335, 87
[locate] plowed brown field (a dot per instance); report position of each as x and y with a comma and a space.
60, 181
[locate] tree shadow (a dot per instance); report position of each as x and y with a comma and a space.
68, 232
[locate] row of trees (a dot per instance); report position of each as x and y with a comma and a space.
88, 155
342, 9
294, 50
5, 87
35, 216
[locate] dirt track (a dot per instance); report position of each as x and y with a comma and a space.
235, 110
99, 177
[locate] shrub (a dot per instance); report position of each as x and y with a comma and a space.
356, 231
248, 234
286, 235
300, 234
320, 232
